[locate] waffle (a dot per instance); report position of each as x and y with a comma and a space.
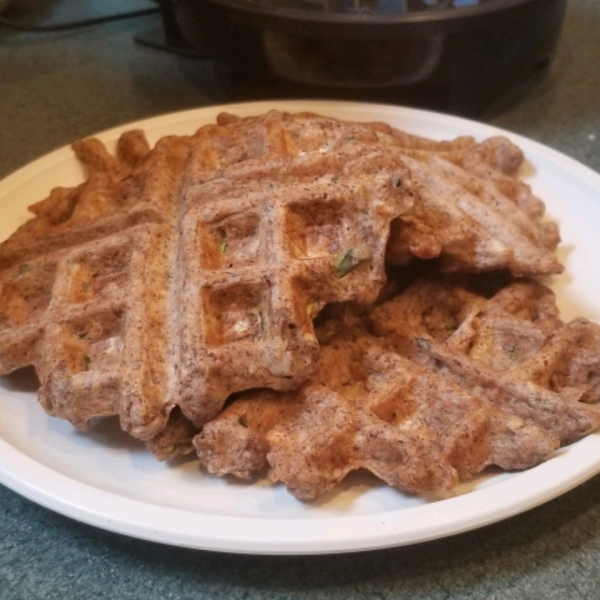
180, 275
429, 388
470, 223
472, 211
257, 267
413, 430
70, 305
512, 348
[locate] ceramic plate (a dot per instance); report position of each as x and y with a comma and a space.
108, 480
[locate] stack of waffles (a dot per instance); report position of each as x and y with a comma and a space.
304, 295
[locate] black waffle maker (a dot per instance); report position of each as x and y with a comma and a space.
455, 55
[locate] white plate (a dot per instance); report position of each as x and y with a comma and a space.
105, 479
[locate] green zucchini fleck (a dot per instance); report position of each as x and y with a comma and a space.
422, 343
349, 260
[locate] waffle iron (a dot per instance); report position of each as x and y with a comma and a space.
456, 55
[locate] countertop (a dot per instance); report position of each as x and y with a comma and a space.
58, 87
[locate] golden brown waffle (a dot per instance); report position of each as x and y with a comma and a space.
512, 348
257, 267
431, 387
471, 222
413, 429
471, 210
172, 279
78, 292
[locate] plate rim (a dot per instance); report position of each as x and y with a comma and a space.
320, 535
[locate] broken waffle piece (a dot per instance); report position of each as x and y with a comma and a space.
235, 442
376, 410
175, 439
471, 431
414, 429
511, 349
470, 222
471, 209
329, 437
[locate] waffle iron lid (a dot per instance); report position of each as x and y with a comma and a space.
370, 11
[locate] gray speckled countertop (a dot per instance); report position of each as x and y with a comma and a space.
59, 87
